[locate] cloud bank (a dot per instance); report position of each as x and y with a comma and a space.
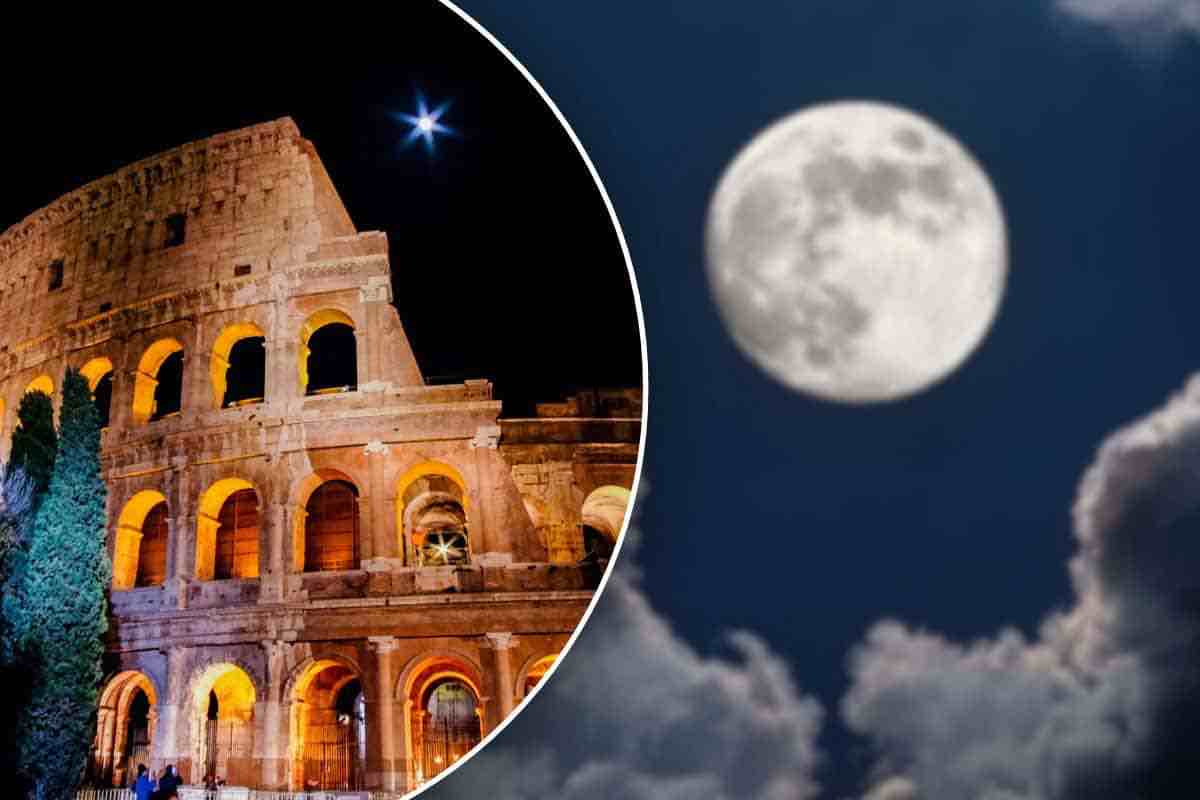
1105, 702
1139, 16
635, 713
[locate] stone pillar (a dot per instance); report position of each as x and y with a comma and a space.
106, 727
383, 539
492, 538
171, 744
275, 545
275, 744
501, 702
381, 725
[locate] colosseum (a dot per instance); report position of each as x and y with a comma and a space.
327, 573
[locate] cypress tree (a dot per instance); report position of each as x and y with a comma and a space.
34, 442
58, 608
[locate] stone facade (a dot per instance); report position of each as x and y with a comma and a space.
243, 236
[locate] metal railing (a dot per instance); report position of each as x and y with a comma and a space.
255, 794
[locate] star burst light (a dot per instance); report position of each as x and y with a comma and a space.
426, 124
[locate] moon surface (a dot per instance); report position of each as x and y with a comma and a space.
856, 252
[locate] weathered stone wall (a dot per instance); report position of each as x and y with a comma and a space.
267, 247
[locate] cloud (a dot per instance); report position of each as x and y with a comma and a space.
1105, 702
636, 713
1155, 17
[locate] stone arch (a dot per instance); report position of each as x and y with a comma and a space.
145, 380
327, 701
98, 372
130, 535
302, 493
209, 531
315, 322
42, 383
433, 743
220, 705
438, 485
124, 732
535, 667
95, 369
222, 348
602, 519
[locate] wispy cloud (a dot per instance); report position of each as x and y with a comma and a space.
1104, 702
636, 713
1153, 17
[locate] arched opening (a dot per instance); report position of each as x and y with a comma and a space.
435, 522
125, 727
140, 549
223, 699
239, 366
432, 507
603, 517
444, 715
227, 531
328, 353
535, 673
42, 383
158, 384
98, 373
329, 729
331, 535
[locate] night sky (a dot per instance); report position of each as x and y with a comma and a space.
801, 523
806, 522
504, 259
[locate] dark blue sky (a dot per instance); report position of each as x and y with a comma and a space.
803, 521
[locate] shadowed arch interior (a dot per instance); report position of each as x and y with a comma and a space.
238, 365
328, 353
158, 383
329, 728
227, 531
140, 549
331, 529
98, 373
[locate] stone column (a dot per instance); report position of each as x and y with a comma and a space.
106, 726
381, 764
501, 703
383, 539
275, 741
170, 745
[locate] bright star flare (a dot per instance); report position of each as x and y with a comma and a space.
426, 124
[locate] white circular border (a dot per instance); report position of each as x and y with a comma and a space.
637, 474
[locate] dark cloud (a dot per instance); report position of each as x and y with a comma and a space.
635, 713
1104, 704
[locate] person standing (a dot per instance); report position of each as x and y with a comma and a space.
143, 787
168, 784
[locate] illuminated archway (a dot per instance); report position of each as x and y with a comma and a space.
316, 322
222, 706
222, 358
98, 373
326, 531
125, 727
227, 525
136, 560
431, 515
328, 727
532, 675
603, 516
42, 383
146, 390
443, 713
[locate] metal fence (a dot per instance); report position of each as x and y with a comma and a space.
127, 794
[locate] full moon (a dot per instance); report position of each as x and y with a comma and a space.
856, 252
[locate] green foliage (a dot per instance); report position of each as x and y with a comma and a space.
34, 442
57, 610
